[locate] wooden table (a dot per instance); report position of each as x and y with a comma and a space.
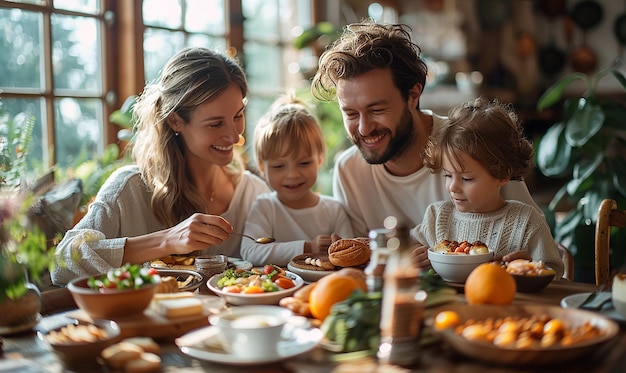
25, 353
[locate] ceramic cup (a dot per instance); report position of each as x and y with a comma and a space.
253, 332
618, 293
208, 266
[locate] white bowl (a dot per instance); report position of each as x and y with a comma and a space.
456, 267
240, 299
618, 293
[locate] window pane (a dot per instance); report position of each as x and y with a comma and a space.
158, 47
205, 16
209, 42
261, 19
14, 112
78, 130
20, 40
76, 59
263, 66
164, 13
84, 6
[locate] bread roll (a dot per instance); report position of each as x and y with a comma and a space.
147, 362
119, 354
348, 253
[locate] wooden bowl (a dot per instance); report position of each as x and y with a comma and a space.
536, 355
113, 303
532, 283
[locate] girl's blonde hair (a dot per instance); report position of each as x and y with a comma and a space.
487, 131
288, 128
191, 77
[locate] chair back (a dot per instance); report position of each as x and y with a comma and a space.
608, 216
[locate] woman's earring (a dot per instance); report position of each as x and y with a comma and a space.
242, 140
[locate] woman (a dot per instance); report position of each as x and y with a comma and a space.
184, 193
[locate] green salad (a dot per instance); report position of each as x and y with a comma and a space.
130, 276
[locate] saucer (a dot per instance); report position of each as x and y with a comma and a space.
575, 300
204, 344
8, 330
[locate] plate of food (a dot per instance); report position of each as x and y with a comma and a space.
185, 280
267, 285
311, 266
185, 262
521, 334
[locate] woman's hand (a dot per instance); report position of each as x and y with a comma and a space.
320, 244
420, 256
197, 232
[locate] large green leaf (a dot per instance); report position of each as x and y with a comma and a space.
620, 77
553, 152
553, 94
565, 227
618, 166
584, 124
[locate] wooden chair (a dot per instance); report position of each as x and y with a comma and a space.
568, 261
608, 216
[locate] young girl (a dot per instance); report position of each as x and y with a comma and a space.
478, 149
289, 148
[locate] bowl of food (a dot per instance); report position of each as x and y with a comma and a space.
529, 276
81, 343
618, 293
455, 266
265, 286
528, 334
121, 292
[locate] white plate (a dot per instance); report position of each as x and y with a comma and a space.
575, 300
247, 299
307, 274
238, 263
202, 344
7, 330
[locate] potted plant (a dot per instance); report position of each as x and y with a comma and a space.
588, 149
24, 252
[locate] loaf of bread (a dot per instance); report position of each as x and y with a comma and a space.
349, 252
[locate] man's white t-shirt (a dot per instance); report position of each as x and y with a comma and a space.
370, 193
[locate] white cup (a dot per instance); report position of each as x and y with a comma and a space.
253, 332
618, 293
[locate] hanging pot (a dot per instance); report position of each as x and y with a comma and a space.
552, 8
587, 14
551, 59
619, 28
583, 59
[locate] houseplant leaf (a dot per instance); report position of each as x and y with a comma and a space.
585, 123
554, 93
553, 152
582, 173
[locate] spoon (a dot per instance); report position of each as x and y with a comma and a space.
261, 240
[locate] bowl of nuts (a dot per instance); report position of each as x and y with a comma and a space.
81, 343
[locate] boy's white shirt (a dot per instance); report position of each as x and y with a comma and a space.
269, 217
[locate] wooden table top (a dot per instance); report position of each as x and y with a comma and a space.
26, 353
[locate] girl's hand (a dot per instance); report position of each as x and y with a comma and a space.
197, 232
420, 256
321, 243
520, 254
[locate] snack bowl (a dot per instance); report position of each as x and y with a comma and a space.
110, 303
269, 298
254, 331
532, 283
456, 267
81, 343
618, 293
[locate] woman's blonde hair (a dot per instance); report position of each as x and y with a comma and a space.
191, 77
489, 132
288, 128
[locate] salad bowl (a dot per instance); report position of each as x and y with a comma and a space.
265, 298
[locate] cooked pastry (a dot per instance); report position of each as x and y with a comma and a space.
348, 252
313, 262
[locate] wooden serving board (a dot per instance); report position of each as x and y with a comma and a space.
151, 324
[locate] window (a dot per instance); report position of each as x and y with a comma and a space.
67, 62
51, 68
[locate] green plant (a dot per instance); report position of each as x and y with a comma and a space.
588, 149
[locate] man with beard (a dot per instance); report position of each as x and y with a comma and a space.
375, 73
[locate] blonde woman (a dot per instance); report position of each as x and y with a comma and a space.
290, 149
187, 191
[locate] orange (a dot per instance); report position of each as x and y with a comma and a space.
356, 274
329, 290
490, 284
447, 319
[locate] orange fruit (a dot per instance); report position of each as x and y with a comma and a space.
489, 283
447, 319
356, 274
329, 290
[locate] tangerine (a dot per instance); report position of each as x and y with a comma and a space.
489, 283
447, 319
329, 290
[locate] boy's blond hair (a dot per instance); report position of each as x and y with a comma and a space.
288, 128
